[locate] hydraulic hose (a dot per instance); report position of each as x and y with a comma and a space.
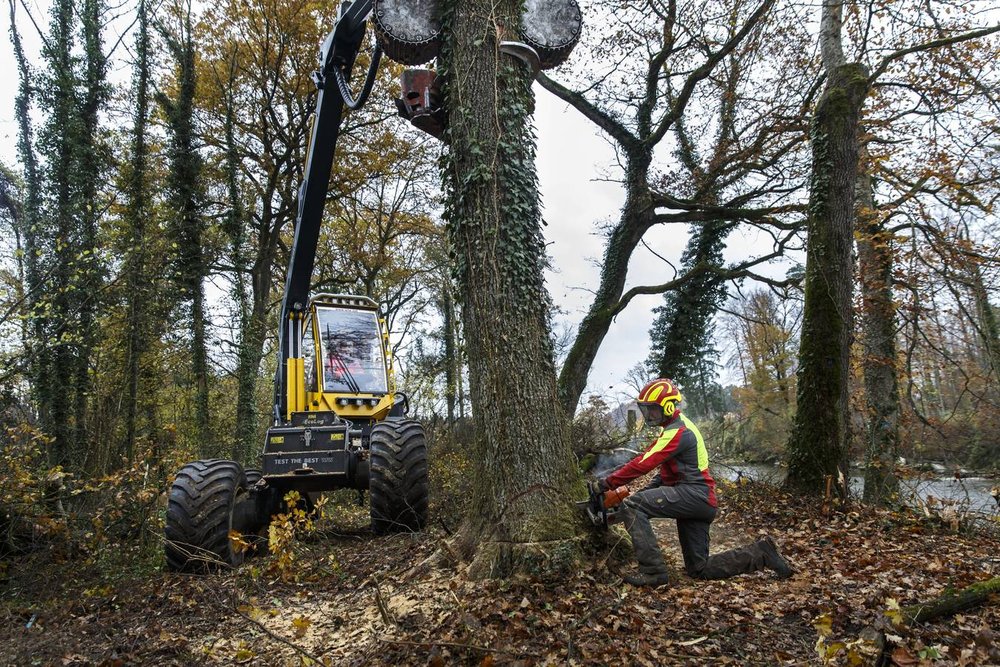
344, 85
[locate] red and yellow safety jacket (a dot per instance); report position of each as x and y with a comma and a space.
680, 451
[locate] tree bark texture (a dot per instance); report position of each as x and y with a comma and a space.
524, 480
878, 332
452, 365
818, 444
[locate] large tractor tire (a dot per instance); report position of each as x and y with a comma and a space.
253, 476
398, 486
207, 500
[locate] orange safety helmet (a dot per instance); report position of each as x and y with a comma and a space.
662, 393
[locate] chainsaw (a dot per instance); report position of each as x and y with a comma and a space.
602, 506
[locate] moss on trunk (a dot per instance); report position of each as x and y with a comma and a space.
952, 602
878, 330
818, 445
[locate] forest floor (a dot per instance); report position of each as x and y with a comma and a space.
357, 602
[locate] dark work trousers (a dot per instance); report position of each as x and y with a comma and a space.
694, 515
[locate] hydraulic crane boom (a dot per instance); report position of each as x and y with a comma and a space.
337, 56
410, 33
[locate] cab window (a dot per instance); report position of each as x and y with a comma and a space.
309, 355
351, 351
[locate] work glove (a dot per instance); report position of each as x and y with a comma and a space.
602, 484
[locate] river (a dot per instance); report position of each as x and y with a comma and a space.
968, 493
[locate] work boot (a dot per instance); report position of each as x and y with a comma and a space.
773, 560
653, 580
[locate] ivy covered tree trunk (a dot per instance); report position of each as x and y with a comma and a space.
88, 176
817, 448
137, 258
250, 322
683, 332
452, 364
56, 142
248, 371
187, 225
37, 344
878, 331
524, 482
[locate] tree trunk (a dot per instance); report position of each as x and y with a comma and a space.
251, 310
199, 363
952, 602
636, 218
37, 344
57, 139
987, 325
878, 331
137, 259
818, 445
683, 332
88, 178
188, 225
250, 355
524, 482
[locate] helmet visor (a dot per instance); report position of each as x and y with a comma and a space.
651, 412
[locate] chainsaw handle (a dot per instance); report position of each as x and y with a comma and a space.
614, 497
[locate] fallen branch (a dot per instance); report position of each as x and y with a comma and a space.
951, 602
608, 607
946, 604
441, 557
473, 647
278, 637
383, 607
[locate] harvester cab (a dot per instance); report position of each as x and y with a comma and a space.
338, 389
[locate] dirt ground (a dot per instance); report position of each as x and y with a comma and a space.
359, 602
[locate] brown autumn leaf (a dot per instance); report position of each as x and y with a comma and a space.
901, 656
434, 659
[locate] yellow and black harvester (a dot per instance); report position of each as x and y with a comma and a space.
338, 420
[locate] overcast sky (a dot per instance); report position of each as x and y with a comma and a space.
574, 163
